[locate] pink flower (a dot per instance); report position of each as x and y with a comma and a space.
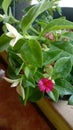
45, 85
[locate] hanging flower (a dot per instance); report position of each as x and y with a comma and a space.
45, 85
13, 34
16, 83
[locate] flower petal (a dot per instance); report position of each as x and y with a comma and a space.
8, 80
14, 84
13, 34
45, 85
11, 29
13, 42
9, 34
20, 91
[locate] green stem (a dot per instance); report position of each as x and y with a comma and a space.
34, 30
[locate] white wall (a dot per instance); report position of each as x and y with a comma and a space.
33, 2
66, 3
62, 3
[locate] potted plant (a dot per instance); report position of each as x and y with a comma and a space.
39, 51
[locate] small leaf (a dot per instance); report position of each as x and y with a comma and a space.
5, 5
68, 35
49, 70
51, 56
27, 92
29, 83
34, 11
62, 67
66, 47
15, 62
18, 45
38, 75
63, 86
30, 71
32, 53
54, 95
20, 91
70, 102
12, 73
58, 24
4, 42
35, 94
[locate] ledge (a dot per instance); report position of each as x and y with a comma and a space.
60, 114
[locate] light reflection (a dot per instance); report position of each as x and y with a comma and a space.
2, 73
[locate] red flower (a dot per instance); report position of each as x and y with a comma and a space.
45, 85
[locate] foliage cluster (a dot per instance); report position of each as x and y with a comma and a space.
38, 46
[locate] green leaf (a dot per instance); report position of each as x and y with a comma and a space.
51, 56
30, 71
66, 48
63, 86
4, 42
35, 94
1, 2
15, 61
32, 94
11, 18
49, 70
54, 95
70, 102
38, 75
32, 53
26, 95
59, 10
62, 67
12, 73
34, 11
68, 35
28, 82
5, 5
58, 24
18, 45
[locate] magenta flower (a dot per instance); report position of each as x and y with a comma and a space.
45, 85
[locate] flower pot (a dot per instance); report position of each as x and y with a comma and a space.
66, 12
